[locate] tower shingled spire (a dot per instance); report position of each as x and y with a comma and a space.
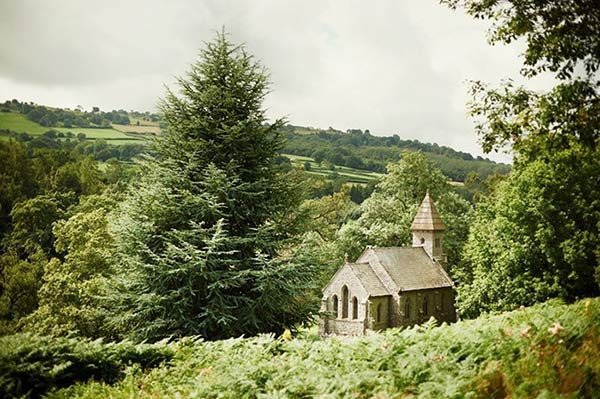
428, 230
427, 217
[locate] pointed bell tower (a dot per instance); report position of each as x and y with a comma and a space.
428, 230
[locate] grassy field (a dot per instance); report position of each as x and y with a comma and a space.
351, 175
20, 124
94, 133
146, 129
128, 140
550, 350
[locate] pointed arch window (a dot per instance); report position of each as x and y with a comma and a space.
378, 313
334, 300
354, 308
345, 302
407, 309
425, 306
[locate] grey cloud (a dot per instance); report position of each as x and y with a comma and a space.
80, 42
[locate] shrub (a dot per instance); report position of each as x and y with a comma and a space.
549, 350
31, 365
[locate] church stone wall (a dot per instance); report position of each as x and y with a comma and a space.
384, 304
345, 327
439, 304
334, 322
345, 278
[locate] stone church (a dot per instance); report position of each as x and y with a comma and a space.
394, 286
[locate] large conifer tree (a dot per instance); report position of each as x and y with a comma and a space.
201, 236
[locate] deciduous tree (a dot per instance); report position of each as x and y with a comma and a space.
536, 236
386, 216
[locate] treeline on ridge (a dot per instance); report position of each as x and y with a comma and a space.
361, 150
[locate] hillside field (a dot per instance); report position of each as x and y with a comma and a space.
549, 350
131, 134
351, 175
143, 127
19, 123
125, 134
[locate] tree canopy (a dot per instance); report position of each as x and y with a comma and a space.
560, 35
386, 216
536, 235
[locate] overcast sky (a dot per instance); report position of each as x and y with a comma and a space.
391, 66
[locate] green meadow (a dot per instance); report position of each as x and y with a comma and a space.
351, 175
19, 123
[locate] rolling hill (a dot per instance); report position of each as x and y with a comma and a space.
354, 156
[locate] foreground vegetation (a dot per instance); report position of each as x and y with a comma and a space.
548, 350
31, 365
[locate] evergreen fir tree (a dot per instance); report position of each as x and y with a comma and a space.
204, 237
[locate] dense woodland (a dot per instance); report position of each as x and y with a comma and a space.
209, 234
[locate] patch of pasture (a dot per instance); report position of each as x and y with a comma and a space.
146, 129
20, 124
350, 174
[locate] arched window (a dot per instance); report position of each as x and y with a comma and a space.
378, 313
334, 299
354, 308
345, 301
422, 240
407, 309
425, 308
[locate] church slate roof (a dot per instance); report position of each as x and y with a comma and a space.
369, 280
427, 217
410, 268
